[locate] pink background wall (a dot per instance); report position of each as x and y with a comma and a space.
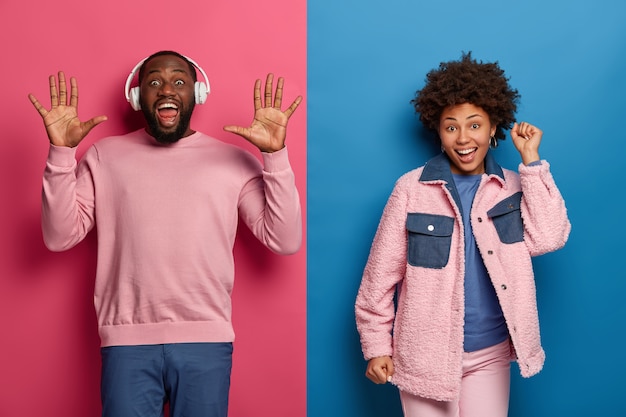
49, 351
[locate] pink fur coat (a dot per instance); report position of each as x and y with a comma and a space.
418, 252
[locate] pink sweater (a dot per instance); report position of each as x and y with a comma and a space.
426, 344
166, 220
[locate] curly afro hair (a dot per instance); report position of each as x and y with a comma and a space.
467, 81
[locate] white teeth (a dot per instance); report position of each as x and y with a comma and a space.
465, 151
168, 106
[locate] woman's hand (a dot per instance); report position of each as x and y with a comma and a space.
380, 370
526, 139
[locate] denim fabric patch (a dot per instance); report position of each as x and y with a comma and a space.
429, 239
507, 219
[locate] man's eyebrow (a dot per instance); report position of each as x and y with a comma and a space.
153, 71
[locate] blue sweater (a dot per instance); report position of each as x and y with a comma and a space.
484, 320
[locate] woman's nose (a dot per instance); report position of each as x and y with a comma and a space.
463, 136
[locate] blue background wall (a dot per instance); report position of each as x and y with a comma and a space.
568, 60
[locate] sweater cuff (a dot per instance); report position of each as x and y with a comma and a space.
61, 156
537, 166
276, 161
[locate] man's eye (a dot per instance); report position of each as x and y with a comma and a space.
179, 82
155, 83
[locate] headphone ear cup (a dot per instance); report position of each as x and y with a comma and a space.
201, 92
133, 98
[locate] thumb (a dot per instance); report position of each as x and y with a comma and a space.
91, 123
238, 130
390, 370
385, 371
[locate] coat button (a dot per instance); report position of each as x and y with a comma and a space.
503, 286
480, 220
490, 252
430, 227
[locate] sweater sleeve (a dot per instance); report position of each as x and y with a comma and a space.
385, 268
546, 225
270, 205
67, 213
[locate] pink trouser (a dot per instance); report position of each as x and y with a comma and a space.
484, 388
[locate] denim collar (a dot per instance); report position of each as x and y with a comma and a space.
438, 168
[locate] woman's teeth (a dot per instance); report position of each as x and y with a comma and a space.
465, 151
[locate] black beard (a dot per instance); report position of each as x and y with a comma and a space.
162, 136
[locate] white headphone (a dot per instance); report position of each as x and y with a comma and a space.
201, 89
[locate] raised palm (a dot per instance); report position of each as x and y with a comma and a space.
268, 129
61, 121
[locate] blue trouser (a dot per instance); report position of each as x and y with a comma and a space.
194, 378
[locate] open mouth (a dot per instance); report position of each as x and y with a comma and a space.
167, 114
466, 154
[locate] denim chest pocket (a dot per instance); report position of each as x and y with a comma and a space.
429, 239
507, 219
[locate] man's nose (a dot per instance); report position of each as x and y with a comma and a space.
166, 89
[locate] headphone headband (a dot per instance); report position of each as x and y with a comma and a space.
201, 89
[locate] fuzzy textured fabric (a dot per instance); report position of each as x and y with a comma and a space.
424, 332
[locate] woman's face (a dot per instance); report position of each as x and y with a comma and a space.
464, 130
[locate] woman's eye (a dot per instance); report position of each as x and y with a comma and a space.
451, 128
475, 125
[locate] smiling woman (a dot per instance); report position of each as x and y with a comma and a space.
465, 289
357, 152
465, 131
